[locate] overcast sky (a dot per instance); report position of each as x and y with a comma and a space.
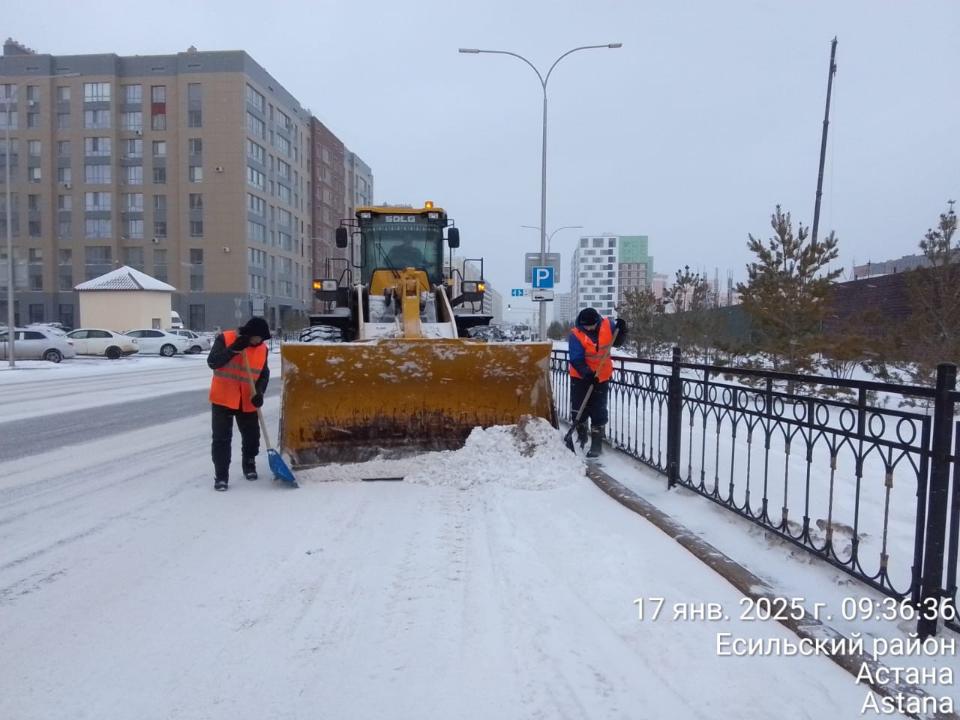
691, 133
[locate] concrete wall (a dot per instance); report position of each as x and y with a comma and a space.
121, 310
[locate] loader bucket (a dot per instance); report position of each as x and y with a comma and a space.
348, 402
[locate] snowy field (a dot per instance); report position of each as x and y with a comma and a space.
495, 582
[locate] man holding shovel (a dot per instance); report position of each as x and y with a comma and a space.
238, 359
590, 343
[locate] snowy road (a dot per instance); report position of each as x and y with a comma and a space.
142, 593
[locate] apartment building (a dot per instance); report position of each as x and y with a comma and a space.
192, 167
605, 268
329, 173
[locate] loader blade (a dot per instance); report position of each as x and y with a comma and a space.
348, 402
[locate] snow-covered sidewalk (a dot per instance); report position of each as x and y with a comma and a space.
129, 588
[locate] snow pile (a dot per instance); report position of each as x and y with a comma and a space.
527, 456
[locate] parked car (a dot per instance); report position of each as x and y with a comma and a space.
36, 343
159, 342
199, 343
94, 341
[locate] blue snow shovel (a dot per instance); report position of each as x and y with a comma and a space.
280, 469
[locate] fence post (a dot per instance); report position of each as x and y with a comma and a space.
931, 582
674, 413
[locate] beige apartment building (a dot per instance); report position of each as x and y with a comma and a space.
193, 168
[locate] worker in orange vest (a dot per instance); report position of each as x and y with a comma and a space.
589, 345
231, 396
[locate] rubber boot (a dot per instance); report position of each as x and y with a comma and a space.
596, 442
250, 469
583, 434
220, 484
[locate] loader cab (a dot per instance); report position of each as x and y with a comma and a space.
398, 238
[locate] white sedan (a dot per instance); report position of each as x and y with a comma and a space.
198, 343
95, 341
36, 343
159, 342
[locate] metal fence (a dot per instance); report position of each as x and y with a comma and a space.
863, 475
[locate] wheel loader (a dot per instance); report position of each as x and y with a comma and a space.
405, 376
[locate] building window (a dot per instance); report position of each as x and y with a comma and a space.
160, 265
133, 148
33, 120
160, 176
196, 201
158, 121
196, 270
63, 121
96, 119
256, 232
132, 202
33, 227
256, 178
131, 121
159, 228
194, 118
65, 269
133, 94
133, 256
33, 174
65, 230
196, 228
66, 312
255, 98
97, 174
159, 203
159, 148
96, 147
63, 93
283, 145
98, 260
97, 201
158, 94
96, 92
256, 152
133, 174
197, 316
135, 230
33, 148
63, 148
256, 126
97, 228
65, 202
195, 173
256, 205
195, 146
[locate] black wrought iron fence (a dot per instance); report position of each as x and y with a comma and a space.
844, 469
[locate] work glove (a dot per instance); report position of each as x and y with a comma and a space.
257, 400
590, 377
240, 344
595, 380
621, 326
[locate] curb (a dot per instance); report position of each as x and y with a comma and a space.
752, 586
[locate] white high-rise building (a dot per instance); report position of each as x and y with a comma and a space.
594, 277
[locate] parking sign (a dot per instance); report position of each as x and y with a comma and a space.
542, 278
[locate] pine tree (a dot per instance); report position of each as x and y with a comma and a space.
932, 334
689, 296
786, 290
557, 330
642, 311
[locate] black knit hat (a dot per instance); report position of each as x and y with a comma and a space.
256, 327
588, 316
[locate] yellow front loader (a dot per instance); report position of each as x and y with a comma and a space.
405, 378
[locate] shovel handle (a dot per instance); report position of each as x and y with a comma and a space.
253, 391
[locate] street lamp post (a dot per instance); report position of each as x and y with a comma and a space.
544, 79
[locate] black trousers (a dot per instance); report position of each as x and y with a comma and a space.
596, 409
222, 421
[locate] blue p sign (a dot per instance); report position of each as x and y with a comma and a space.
542, 278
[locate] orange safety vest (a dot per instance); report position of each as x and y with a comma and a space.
231, 384
601, 366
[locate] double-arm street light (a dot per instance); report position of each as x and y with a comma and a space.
544, 79
550, 236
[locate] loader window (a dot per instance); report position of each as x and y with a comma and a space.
417, 245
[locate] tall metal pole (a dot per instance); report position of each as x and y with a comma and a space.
544, 79
542, 335
9, 213
823, 141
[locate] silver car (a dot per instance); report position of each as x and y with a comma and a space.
36, 343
